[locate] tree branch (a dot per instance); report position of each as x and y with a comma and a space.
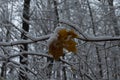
82, 37
19, 42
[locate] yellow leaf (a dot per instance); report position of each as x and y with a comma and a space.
63, 40
56, 49
62, 34
73, 34
70, 45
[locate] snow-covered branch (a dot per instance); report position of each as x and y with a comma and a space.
37, 54
89, 38
30, 53
42, 38
100, 39
74, 26
83, 37
18, 65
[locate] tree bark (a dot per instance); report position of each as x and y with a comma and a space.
56, 14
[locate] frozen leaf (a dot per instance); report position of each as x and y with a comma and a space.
70, 45
73, 34
62, 34
64, 39
56, 49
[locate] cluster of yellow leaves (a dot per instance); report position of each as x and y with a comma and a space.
64, 40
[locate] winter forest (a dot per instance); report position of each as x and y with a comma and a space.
59, 39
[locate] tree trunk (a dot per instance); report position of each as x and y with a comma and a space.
25, 27
56, 14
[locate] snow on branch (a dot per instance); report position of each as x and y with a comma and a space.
100, 39
42, 38
18, 65
30, 53
19, 42
83, 37
74, 26
37, 54
89, 38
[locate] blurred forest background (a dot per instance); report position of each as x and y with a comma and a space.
26, 25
